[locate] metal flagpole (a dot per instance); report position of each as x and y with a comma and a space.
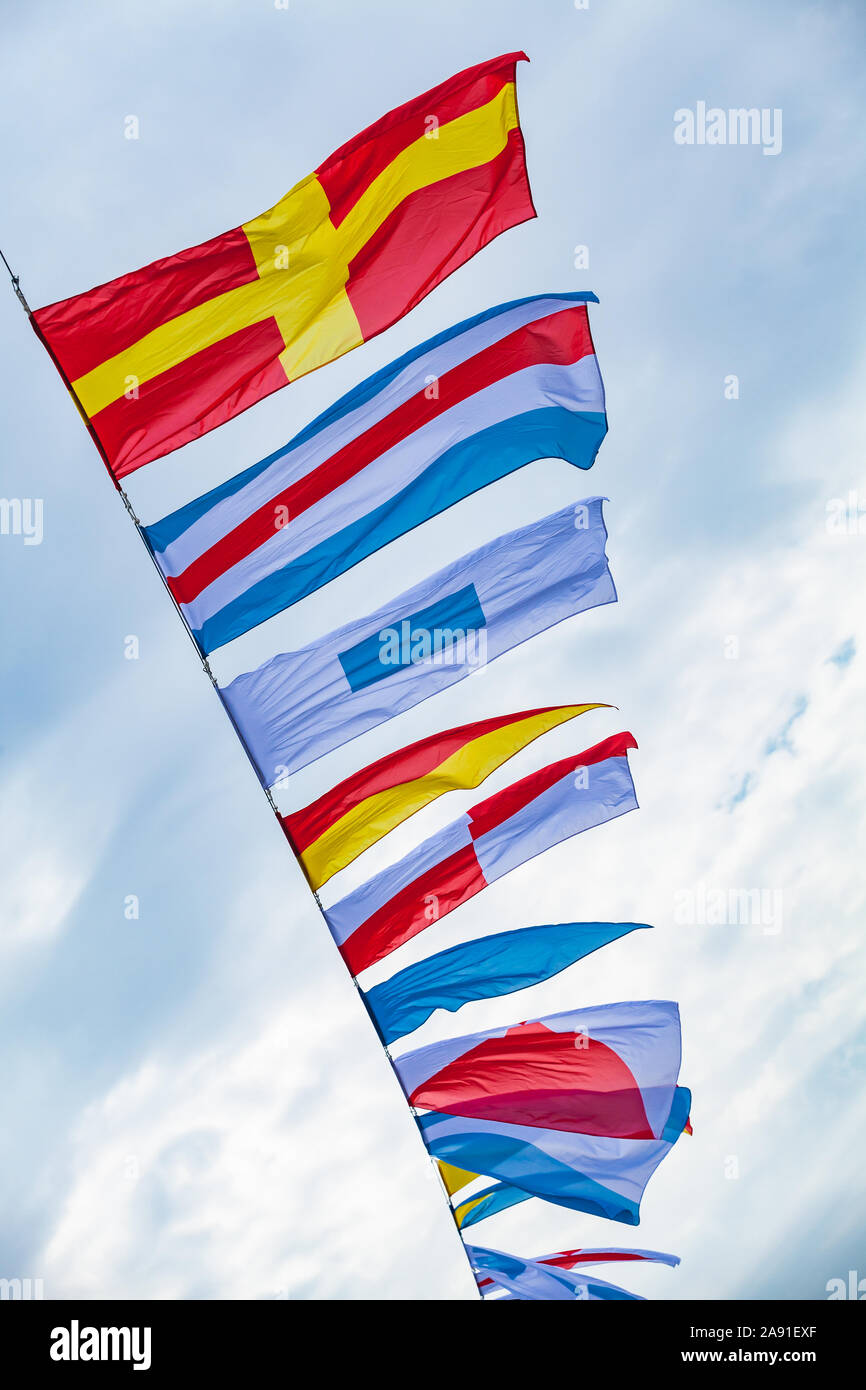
206, 667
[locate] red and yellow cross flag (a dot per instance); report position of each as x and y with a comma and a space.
158, 357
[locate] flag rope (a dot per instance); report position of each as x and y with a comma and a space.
206, 667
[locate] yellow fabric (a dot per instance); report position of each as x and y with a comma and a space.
461, 1212
367, 822
303, 262
454, 1178
464, 143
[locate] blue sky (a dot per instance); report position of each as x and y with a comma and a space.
194, 1103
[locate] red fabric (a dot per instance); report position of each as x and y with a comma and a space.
446, 886
90, 328
195, 396
418, 759
567, 1259
561, 339
349, 171
534, 1076
435, 231
486, 815
427, 237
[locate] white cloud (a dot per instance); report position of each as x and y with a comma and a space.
240, 1134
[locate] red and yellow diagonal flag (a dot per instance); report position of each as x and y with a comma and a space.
159, 357
333, 830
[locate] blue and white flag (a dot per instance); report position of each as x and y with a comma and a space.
592, 1173
300, 705
517, 383
490, 1201
534, 1279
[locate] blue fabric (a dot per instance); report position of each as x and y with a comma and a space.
609, 1293
466, 468
680, 1111
555, 1181
298, 705
163, 532
524, 1278
484, 969
557, 1165
372, 659
533, 1280
494, 1199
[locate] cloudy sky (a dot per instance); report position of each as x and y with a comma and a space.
194, 1103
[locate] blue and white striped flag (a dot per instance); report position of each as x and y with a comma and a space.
517, 383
